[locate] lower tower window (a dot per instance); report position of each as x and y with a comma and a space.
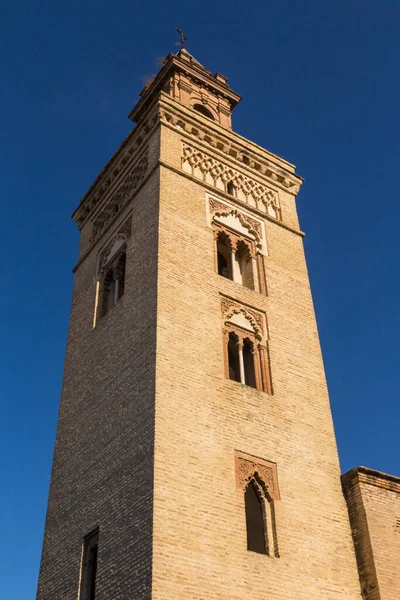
255, 520
258, 481
89, 566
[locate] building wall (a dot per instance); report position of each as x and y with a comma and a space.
202, 418
102, 471
149, 425
374, 506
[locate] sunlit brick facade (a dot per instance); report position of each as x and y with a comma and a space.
195, 454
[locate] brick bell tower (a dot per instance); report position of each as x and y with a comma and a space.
195, 454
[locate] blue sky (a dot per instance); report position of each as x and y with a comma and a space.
320, 86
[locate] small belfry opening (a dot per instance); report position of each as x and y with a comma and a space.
200, 108
230, 188
255, 520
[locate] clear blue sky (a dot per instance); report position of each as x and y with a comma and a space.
320, 86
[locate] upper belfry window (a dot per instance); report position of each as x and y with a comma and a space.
240, 244
204, 111
246, 354
235, 256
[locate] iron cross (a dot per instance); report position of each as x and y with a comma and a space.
183, 38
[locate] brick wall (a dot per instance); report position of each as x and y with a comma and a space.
373, 500
102, 472
202, 418
149, 425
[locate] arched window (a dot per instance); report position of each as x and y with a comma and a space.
255, 520
233, 358
258, 479
244, 267
248, 363
112, 283
230, 188
224, 255
204, 111
236, 256
246, 352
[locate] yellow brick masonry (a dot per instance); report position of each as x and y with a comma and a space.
149, 425
374, 506
199, 537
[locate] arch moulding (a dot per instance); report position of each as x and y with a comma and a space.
263, 472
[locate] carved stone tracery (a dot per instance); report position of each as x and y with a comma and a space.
256, 320
127, 151
250, 468
218, 174
219, 209
231, 149
120, 198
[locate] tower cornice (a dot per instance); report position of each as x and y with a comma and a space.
251, 159
247, 155
184, 63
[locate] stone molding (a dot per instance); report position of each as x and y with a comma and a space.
117, 201
127, 152
264, 472
255, 227
205, 133
253, 193
233, 239
176, 118
256, 319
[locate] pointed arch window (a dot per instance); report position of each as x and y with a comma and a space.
255, 519
238, 258
257, 478
230, 188
246, 358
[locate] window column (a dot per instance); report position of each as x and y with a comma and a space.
241, 361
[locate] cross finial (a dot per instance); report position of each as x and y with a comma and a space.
183, 38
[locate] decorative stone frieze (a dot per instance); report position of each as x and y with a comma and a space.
218, 208
256, 320
216, 173
249, 467
234, 150
132, 145
120, 198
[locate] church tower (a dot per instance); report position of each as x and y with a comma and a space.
195, 456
